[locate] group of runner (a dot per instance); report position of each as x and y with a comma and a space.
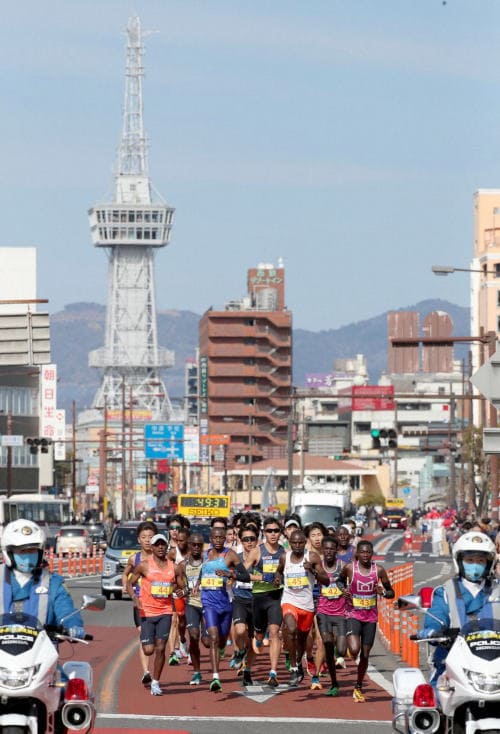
269, 584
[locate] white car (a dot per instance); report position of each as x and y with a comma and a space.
73, 539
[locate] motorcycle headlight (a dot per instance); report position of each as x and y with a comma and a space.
484, 682
18, 678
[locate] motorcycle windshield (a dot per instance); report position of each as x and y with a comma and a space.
18, 633
483, 638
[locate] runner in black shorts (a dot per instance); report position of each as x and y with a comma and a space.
267, 613
331, 614
243, 609
188, 577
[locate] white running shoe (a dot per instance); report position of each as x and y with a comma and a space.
155, 689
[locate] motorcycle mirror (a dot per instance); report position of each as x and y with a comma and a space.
93, 603
410, 601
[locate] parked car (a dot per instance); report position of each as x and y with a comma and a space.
393, 519
72, 539
122, 544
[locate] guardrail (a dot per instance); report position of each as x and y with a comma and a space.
76, 564
394, 625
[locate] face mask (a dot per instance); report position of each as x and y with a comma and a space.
26, 562
474, 571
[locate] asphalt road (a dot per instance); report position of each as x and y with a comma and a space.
275, 717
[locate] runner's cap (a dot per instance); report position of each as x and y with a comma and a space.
156, 538
292, 522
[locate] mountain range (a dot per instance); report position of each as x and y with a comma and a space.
80, 327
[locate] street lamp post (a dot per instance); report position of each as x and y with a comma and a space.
449, 269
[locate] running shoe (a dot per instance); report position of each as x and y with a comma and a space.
241, 669
146, 678
247, 678
294, 678
315, 684
156, 690
357, 695
300, 672
173, 659
215, 685
311, 668
340, 663
222, 653
238, 659
257, 646
195, 680
183, 649
287, 661
323, 670
272, 681
333, 691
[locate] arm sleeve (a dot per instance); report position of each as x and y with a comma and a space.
241, 573
61, 604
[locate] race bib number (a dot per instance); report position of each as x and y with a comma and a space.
297, 582
363, 602
212, 582
331, 592
270, 566
161, 589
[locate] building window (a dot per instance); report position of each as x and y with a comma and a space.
497, 270
498, 298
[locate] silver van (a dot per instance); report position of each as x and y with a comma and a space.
122, 544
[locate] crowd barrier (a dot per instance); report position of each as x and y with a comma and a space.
76, 564
394, 625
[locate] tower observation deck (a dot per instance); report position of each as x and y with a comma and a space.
131, 228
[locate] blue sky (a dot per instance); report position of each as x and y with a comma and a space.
346, 136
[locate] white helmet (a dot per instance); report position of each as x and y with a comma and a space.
21, 534
473, 542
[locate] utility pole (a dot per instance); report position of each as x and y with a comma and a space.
9, 455
73, 461
395, 479
250, 461
124, 456
290, 453
103, 466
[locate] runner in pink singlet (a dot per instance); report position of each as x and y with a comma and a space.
363, 581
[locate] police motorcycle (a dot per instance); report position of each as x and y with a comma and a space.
37, 695
465, 697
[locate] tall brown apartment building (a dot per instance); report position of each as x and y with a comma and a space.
246, 369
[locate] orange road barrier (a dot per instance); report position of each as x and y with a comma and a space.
396, 626
75, 564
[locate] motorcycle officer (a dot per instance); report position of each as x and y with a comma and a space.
26, 585
465, 597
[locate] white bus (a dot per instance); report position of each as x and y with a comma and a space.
48, 512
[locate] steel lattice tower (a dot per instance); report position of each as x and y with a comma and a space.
131, 228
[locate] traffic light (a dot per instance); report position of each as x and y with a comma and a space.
392, 438
34, 444
41, 444
375, 434
44, 445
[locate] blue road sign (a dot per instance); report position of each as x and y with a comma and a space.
407, 490
164, 441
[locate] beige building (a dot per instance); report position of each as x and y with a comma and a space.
485, 285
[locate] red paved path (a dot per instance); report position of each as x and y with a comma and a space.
180, 699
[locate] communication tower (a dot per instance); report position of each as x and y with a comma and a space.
131, 228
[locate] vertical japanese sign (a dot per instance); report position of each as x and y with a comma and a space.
48, 400
60, 436
203, 385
